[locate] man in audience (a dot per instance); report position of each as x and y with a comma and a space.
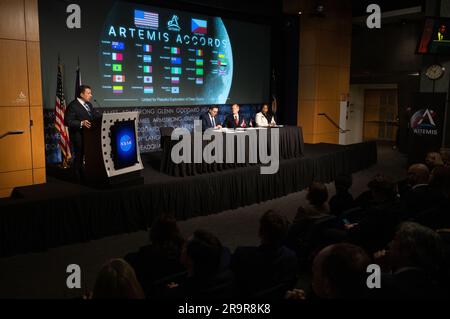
343, 200
438, 215
378, 222
418, 198
268, 270
209, 277
414, 259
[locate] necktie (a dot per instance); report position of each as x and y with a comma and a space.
236, 120
213, 121
88, 109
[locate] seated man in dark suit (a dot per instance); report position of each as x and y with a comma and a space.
209, 119
79, 114
235, 119
378, 223
269, 265
343, 200
419, 197
438, 216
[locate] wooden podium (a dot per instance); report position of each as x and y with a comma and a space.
100, 161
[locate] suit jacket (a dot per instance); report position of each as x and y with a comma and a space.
206, 121
409, 283
75, 113
417, 200
378, 226
230, 123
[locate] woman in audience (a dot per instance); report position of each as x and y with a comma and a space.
117, 280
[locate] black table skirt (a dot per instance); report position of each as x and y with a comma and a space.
291, 146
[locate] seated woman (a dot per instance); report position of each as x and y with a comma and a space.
265, 118
117, 280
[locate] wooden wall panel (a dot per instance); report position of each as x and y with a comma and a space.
18, 178
39, 176
307, 84
22, 159
32, 20
12, 24
37, 137
34, 73
15, 149
13, 73
324, 66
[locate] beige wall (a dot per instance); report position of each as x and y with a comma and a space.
22, 157
324, 66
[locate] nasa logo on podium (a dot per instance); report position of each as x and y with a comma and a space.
126, 143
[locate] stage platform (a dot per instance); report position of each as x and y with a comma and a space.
60, 212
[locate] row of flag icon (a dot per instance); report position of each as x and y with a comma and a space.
120, 46
150, 20
118, 89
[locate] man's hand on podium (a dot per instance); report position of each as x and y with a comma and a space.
86, 124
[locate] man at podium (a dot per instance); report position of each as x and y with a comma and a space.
79, 114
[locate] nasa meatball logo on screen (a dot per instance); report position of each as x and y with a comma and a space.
125, 143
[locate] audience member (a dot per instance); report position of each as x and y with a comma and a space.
309, 223
207, 276
437, 216
117, 280
433, 160
343, 200
414, 258
161, 257
340, 272
379, 221
269, 268
419, 197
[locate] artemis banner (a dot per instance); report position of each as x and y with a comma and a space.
426, 125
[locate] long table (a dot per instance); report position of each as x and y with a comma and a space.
290, 146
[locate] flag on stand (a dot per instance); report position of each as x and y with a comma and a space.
60, 109
78, 80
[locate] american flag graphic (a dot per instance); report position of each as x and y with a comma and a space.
60, 109
145, 19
